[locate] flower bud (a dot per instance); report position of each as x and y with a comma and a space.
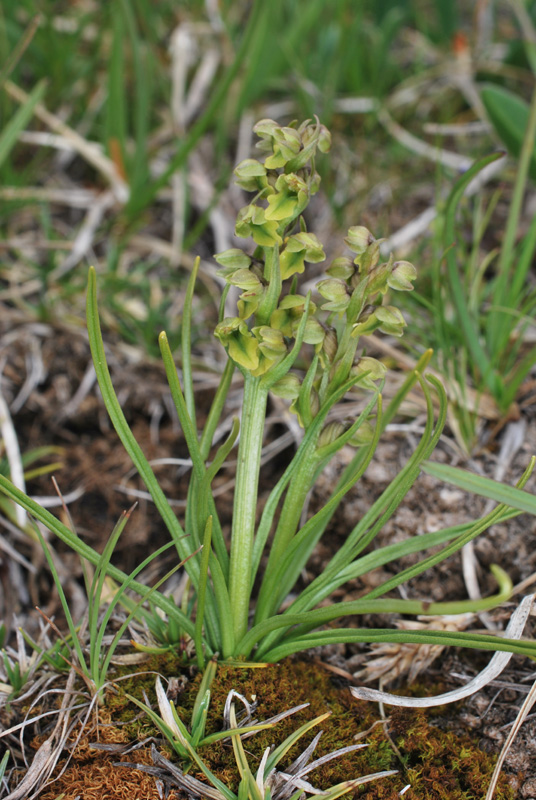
359, 238
402, 273
314, 331
363, 435
391, 320
244, 279
288, 387
330, 344
336, 292
342, 268
371, 369
250, 175
315, 402
232, 260
330, 433
324, 139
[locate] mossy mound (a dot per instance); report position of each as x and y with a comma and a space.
437, 764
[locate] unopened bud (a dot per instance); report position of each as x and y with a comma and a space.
336, 292
330, 344
363, 435
342, 268
391, 320
330, 433
232, 260
250, 175
287, 387
359, 238
369, 370
402, 274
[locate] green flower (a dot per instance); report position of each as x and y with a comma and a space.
272, 347
342, 268
358, 239
282, 143
251, 221
289, 311
251, 175
336, 292
240, 343
390, 320
402, 273
289, 199
253, 291
299, 248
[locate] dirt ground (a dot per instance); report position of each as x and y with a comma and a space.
47, 382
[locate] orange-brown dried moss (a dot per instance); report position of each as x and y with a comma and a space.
95, 777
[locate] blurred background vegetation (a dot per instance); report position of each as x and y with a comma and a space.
120, 124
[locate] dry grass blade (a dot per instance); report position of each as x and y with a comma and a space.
435, 154
494, 668
91, 152
388, 662
521, 717
11, 445
191, 785
46, 758
86, 234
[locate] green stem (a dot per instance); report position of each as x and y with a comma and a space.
286, 529
273, 293
245, 501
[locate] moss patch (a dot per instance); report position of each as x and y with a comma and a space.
438, 765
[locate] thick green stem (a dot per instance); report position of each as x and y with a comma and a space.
245, 501
286, 528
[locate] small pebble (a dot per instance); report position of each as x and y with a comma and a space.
528, 790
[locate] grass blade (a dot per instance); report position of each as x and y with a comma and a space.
484, 487
13, 129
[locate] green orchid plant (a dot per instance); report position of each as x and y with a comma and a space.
308, 352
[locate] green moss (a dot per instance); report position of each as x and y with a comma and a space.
439, 765
140, 685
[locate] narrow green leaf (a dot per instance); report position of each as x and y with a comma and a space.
201, 595
509, 115
15, 126
467, 323
125, 434
484, 487
62, 532
186, 342
290, 741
